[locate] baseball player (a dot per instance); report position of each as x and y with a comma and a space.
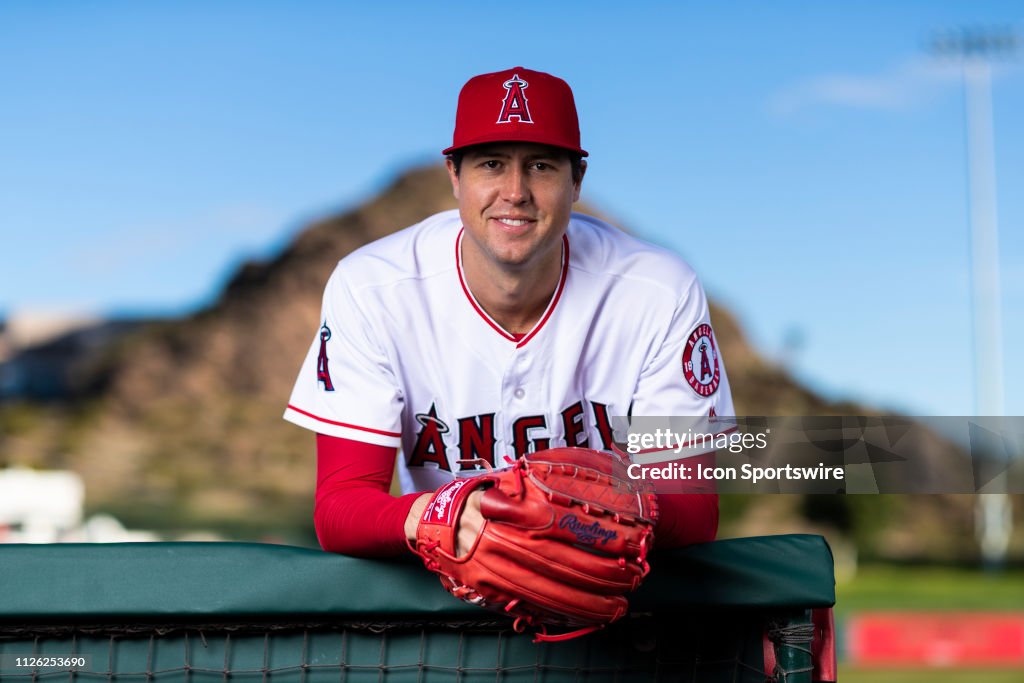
508, 326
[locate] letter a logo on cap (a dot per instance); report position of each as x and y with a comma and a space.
514, 104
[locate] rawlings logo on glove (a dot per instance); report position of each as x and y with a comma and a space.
564, 539
587, 533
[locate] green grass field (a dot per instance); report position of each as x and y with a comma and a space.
888, 587
891, 588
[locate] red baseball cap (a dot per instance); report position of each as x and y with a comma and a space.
517, 105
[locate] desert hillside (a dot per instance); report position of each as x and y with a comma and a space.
177, 423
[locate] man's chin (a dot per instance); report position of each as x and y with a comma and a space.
514, 262
513, 254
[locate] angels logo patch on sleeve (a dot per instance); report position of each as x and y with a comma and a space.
323, 372
700, 361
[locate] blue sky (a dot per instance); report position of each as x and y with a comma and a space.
808, 159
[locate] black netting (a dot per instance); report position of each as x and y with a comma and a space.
640, 649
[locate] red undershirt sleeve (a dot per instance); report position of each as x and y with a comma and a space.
355, 514
687, 518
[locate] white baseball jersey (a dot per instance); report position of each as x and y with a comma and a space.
405, 356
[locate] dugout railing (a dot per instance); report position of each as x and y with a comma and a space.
732, 610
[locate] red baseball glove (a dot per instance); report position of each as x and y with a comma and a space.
565, 537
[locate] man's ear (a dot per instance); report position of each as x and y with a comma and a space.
453, 176
579, 184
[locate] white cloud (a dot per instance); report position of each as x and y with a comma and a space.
903, 86
222, 228
117, 250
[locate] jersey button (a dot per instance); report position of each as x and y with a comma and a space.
519, 392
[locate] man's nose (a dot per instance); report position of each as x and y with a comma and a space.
516, 187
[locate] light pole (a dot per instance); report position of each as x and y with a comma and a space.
975, 49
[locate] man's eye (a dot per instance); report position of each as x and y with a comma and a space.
491, 164
542, 166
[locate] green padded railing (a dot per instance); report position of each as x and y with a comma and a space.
156, 612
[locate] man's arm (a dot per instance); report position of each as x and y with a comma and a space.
686, 377
686, 518
355, 514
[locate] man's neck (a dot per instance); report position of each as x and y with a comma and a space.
515, 299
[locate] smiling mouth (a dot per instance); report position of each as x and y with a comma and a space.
514, 222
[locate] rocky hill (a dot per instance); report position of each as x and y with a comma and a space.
179, 423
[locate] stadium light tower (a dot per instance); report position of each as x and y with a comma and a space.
976, 49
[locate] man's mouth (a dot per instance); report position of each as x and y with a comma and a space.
513, 222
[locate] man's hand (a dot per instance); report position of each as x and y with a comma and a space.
415, 512
470, 522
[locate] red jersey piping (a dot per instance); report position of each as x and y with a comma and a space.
520, 342
343, 424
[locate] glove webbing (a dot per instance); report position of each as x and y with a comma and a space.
522, 469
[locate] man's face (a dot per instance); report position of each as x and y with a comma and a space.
515, 200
